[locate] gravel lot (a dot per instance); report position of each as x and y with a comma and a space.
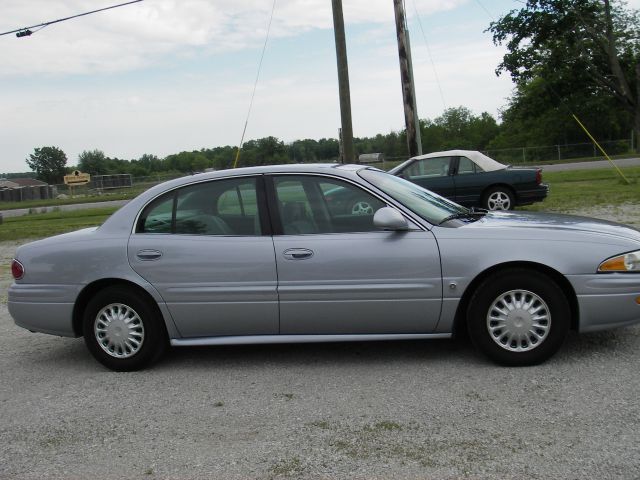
379, 410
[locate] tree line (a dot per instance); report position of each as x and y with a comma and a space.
455, 128
566, 57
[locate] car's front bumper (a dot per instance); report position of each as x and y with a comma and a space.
607, 300
43, 308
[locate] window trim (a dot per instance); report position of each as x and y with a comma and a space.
476, 168
278, 228
261, 199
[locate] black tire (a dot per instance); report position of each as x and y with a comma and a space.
147, 336
523, 336
498, 198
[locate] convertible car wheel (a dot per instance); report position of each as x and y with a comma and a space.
498, 198
361, 207
122, 331
518, 317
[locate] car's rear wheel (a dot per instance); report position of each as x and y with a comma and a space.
122, 330
361, 207
518, 317
498, 198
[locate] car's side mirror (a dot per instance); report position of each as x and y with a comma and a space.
388, 218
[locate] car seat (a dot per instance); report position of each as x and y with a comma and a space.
295, 219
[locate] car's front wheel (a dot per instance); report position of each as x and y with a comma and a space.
518, 317
122, 330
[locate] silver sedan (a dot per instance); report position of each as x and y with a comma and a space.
323, 253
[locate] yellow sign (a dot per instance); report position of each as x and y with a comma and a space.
77, 178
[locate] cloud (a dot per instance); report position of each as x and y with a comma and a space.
84, 84
138, 35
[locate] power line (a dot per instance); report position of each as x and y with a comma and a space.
433, 65
26, 31
485, 9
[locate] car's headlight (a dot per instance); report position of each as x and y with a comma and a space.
627, 262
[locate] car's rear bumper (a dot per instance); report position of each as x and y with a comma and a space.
607, 300
43, 308
527, 197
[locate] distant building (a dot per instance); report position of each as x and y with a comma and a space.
4, 183
19, 189
28, 182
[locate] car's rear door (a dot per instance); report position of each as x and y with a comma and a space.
208, 251
338, 274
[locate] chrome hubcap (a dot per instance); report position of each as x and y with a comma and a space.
499, 201
362, 208
518, 320
119, 330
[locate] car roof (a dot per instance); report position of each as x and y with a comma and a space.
338, 168
485, 163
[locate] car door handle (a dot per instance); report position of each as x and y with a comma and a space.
146, 255
297, 253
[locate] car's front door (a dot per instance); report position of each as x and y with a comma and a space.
205, 251
470, 181
338, 274
434, 174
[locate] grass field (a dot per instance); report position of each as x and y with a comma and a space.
569, 190
584, 188
86, 195
41, 225
122, 194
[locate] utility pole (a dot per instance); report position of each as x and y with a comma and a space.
414, 142
343, 82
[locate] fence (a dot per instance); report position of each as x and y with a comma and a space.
115, 184
560, 153
104, 182
21, 194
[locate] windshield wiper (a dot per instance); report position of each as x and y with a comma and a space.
472, 214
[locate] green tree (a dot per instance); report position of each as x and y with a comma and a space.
458, 128
150, 163
93, 162
187, 162
49, 163
583, 49
263, 151
535, 117
462, 129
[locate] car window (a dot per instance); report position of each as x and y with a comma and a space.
310, 205
430, 206
466, 166
428, 167
158, 216
241, 200
219, 207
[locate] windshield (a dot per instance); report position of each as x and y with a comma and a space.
430, 206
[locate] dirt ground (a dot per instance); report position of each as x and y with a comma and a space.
628, 213
414, 410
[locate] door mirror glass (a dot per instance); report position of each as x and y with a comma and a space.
388, 218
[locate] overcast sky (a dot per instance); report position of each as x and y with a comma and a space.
163, 76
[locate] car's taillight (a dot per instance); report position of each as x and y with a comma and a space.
539, 176
17, 270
